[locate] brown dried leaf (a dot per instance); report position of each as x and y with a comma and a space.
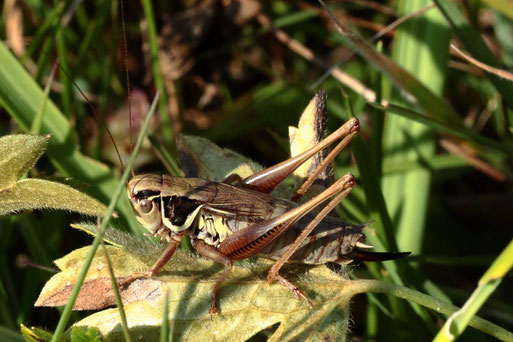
309, 132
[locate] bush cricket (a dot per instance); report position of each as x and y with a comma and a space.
239, 218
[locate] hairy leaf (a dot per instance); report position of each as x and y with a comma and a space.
19, 154
247, 305
30, 194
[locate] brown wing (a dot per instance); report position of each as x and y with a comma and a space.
220, 198
231, 201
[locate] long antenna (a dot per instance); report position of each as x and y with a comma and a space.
129, 96
95, 113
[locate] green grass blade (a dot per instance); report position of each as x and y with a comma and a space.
457, 323
426, 99
376, 286
36, 124
459, 132
98, 238
115, 289
167, 132
421, 47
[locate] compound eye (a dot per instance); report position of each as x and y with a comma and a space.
145, 206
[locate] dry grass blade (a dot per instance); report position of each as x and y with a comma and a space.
473, 160
496, 71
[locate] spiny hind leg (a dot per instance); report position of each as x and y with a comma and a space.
343, 186
354, 129
267, 180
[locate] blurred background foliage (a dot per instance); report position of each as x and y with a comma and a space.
434, 168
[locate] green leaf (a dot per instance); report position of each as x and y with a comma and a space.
35, 334
30, 194
19, 154
85, 335
201, 158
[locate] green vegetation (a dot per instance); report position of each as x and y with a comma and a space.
433, 159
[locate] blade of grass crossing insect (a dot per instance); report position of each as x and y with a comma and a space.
457, 323
114, 285
164, 330
421, 47
96, 242
167, 132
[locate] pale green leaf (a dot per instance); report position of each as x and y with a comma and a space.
29, 194
19, 153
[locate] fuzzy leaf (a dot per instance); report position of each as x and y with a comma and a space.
247, 305
19, 153
30, 194
201, 158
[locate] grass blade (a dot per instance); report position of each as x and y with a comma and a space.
97, 240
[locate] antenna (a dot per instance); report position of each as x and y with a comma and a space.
129, 96
95, 114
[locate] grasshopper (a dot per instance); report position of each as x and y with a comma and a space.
240, 218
